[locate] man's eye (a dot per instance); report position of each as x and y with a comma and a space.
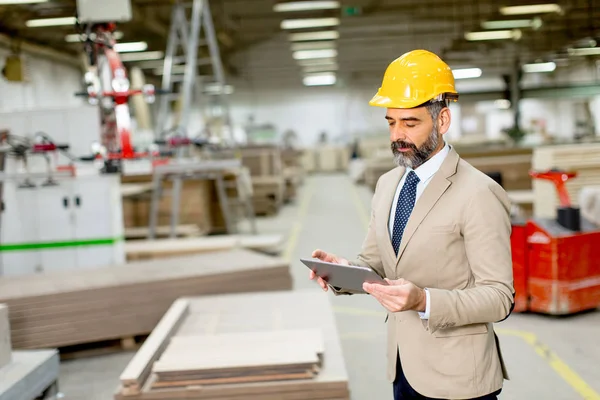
410, 126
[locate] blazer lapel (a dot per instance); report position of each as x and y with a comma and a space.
434, 190
388, 199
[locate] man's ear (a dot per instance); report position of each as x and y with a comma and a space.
444, 120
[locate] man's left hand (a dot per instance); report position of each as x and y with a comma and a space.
398, 295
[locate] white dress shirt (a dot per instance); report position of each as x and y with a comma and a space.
425, 172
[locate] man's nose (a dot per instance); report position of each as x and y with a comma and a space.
397, 134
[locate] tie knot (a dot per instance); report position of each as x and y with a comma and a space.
412, 178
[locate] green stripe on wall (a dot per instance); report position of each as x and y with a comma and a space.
55, 245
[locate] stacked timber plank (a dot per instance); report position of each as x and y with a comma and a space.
24, 375
68, 308
5, 345
147, 249
293, 172
268, 182
267, 346
584, 159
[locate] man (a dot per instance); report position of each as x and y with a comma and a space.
440, 235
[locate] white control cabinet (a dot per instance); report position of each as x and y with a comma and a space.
75, 224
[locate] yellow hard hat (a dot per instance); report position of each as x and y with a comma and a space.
413, 79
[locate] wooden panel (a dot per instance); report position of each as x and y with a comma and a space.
147, 249
5, 344
67, 308
303, 316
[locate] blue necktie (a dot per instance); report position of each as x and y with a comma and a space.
404, 207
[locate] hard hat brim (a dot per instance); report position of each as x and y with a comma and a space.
390, 102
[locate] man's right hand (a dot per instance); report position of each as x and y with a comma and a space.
326, 257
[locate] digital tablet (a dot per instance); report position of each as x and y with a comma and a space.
349, 277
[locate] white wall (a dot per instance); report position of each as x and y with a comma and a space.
50, 85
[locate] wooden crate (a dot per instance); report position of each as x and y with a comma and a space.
582, 158
68, 308
5, 344
250, 316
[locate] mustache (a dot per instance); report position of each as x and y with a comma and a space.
401, 144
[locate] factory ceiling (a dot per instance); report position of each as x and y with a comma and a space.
371, 32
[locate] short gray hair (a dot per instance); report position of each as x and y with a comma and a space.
435, 108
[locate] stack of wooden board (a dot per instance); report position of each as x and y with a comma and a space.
239, 358
268, 182
584, 159
5, 345
229, 331
68, 308
146, 249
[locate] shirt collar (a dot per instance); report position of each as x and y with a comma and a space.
431, 166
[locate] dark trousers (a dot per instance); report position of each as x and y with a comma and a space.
403, 390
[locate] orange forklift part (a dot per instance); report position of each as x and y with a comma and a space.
558, 178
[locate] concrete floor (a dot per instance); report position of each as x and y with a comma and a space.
548, 358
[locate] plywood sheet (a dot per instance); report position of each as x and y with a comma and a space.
28, 374
253, 315
5, 344
66, 308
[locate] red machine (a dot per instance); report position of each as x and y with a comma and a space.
556, 263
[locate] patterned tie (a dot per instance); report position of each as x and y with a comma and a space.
406, 202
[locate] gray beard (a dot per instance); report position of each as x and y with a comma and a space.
415, 158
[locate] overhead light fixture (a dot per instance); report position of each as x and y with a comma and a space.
539, 67
316, 61
466, 73
78, 38
309, 23
37, 23
7, 2
320, 79
494, 35
534, 23
130, 47
585, 51
320, 68
502, 104
306, 6
142, 56
531, 9
310, 54
310, 36
319, 45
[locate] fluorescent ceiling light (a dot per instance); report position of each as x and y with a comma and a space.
534, 23
4, 2
36, 23
319, 79
493, 35
466, 73
320, 68
531, 9
142, 56
306, 6
310, 54
130, 47
586, 51
308, 36
215, 89
539, 67
319, 45
309, 23
316, 61
77, 38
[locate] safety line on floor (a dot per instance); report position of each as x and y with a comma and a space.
299, 222
558, 365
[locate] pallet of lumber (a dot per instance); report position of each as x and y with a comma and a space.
5, 344
147, 249
164, 231
29, 374
268, 194
264, 346
584, 159
75, 307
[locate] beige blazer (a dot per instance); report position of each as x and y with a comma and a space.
456, 244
